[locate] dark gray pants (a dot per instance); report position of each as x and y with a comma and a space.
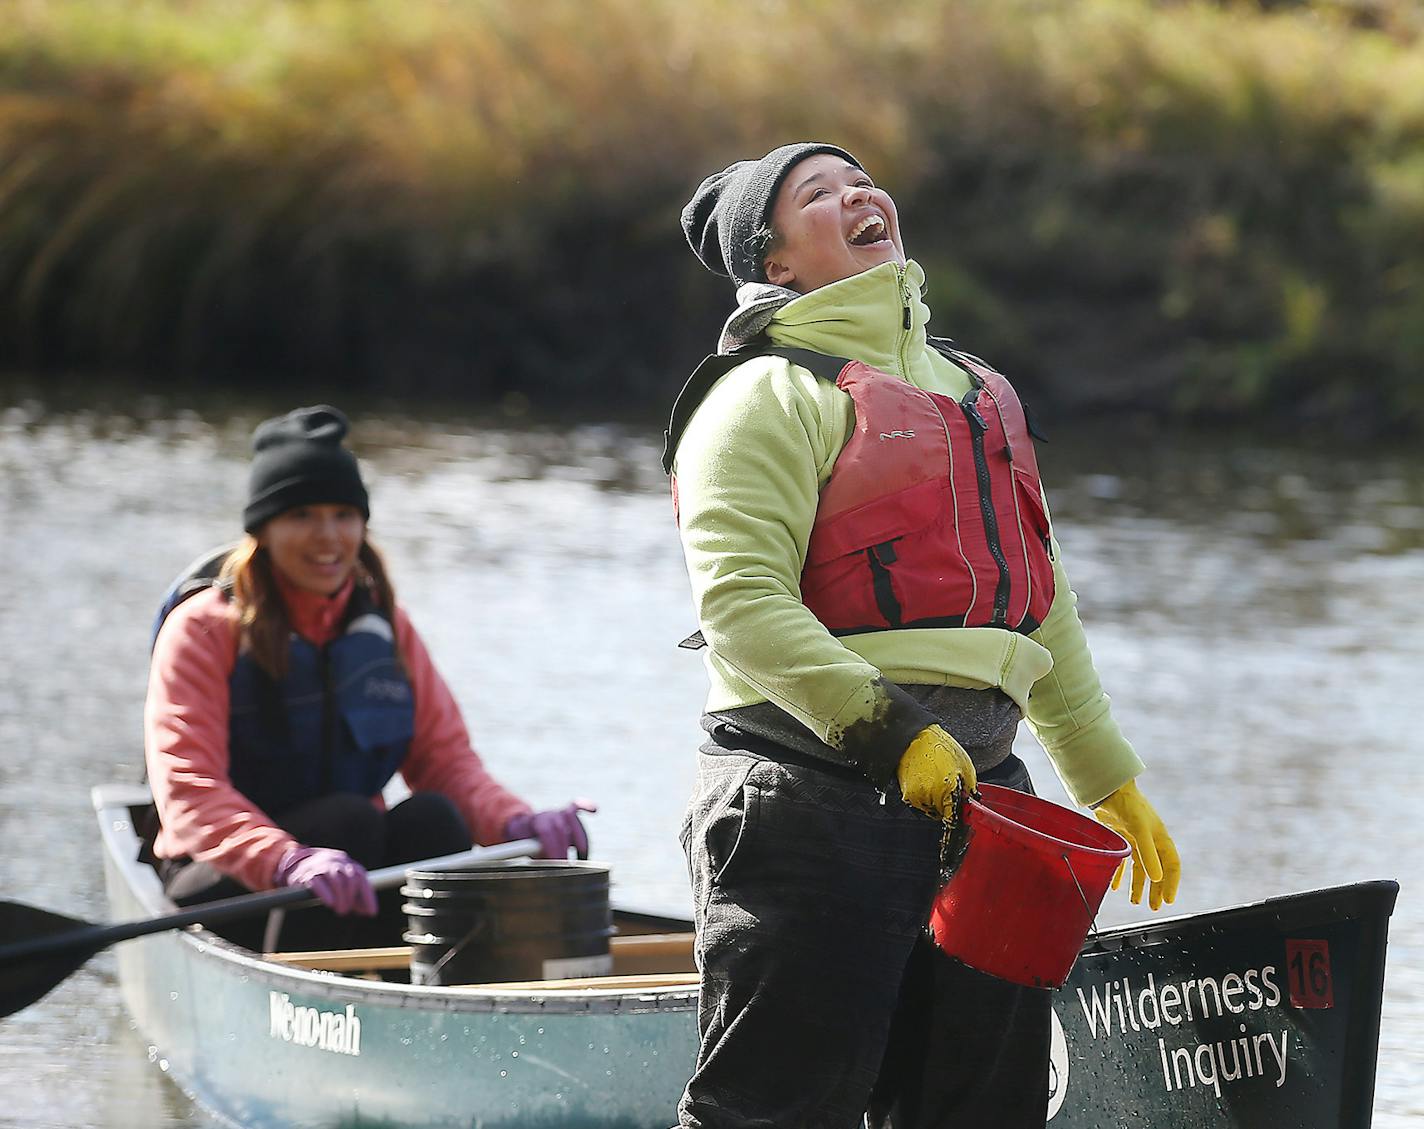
822, 998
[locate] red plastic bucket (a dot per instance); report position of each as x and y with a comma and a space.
1031, 879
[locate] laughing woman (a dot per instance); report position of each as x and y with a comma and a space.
882, 601
283, 697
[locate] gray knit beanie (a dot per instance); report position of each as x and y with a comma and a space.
729, 208
298, 460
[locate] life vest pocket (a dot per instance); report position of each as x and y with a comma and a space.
375, 699
877, 521
378, 711
849, 579
904, 581
1033, 517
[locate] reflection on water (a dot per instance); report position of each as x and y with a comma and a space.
1254, 612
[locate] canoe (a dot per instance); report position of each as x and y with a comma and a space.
1265, 1014
263, 1043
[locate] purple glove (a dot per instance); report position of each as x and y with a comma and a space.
333, 876
557, 831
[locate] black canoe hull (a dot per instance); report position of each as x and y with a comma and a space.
1261, 1015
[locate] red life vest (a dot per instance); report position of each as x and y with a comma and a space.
933, 515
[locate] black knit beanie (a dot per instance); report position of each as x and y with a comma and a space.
298, 460
730, 207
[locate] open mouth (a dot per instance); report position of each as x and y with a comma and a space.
868, 231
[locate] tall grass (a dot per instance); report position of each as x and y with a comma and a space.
1192, 207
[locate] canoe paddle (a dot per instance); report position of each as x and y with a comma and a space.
43, 948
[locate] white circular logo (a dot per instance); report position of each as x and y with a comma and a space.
1057, 1069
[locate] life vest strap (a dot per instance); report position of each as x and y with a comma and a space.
718, 365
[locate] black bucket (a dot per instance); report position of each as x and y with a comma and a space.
538, 920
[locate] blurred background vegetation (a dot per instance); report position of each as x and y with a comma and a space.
1183, 210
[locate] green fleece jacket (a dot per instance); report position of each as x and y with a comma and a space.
748, 474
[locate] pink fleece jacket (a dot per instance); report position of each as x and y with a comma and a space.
186, 738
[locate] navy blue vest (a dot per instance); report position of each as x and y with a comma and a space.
341, 720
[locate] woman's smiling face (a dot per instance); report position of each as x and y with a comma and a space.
315, 547
831, 222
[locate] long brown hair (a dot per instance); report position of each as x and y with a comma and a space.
263, 624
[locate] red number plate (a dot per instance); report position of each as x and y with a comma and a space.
1308, 973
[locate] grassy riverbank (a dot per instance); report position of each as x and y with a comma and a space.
1178, 208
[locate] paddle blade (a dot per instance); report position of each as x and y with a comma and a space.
28, 969
23, 983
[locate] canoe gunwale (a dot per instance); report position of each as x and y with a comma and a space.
1361, 901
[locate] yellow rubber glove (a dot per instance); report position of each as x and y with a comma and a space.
1154, 855
931, 770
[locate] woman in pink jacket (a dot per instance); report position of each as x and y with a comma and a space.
284, 696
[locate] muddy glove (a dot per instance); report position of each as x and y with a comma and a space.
932, 769
337, 879
1154, 855
558, 831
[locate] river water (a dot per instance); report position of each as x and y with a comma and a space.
1254, 611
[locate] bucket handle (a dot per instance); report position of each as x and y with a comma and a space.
1092, 917
458, 947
